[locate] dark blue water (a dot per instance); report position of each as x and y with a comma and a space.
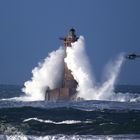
68, 120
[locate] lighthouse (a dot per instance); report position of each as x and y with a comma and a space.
67, 91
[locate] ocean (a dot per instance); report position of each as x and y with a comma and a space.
76, 120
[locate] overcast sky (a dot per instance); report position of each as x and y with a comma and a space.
29, 30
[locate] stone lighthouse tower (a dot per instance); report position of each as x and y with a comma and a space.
68, 80
68, 89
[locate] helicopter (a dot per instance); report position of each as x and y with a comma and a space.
132, 56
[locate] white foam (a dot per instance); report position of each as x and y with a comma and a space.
47, 74
53, 122
70, 137
78, 62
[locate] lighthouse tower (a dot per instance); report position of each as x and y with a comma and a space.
68, 89
68, 81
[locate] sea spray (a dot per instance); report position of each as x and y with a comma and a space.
106, 90
77, 61
47, 74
